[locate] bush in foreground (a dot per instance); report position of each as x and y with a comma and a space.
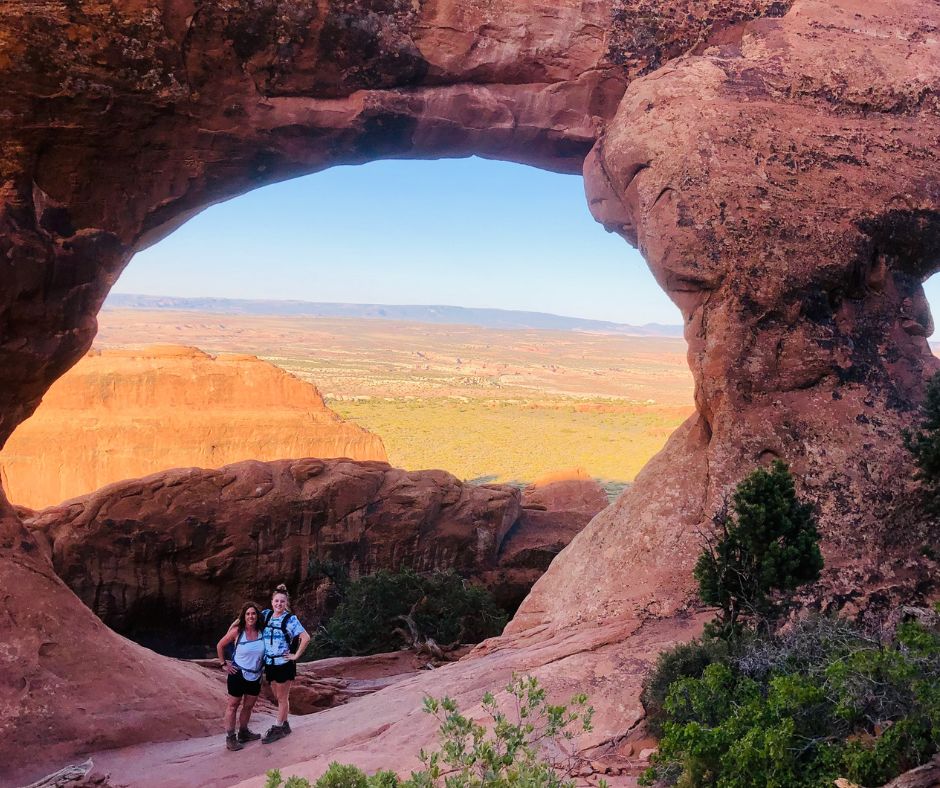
509, 755
684, 661
799, 710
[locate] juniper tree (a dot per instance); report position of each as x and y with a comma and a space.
766, 546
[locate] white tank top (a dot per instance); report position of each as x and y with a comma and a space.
248, 656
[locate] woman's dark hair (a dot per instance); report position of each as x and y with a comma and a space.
241, 616
282, 589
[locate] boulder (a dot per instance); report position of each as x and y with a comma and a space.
555, 509
168, 559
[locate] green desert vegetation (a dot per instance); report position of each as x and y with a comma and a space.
511, 751
388, 611
516, 440
483, 404
823, 699
751, 703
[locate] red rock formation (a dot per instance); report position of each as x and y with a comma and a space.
70, 684
776, 162
555, 508
169, 559
122, 414
779, 186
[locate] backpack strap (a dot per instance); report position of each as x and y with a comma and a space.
266, 617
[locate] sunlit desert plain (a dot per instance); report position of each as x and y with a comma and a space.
484, 404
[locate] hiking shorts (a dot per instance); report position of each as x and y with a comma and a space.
278, 674
238, 685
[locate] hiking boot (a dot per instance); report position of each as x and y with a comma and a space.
246, 735
232, 743
274, 733
286, 727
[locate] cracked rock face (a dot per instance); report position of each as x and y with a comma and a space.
776, 163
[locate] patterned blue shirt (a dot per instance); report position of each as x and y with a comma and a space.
275, 644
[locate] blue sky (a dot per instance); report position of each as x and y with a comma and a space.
463, 232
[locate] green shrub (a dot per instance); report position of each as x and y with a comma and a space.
508, 755
336, 776
800, 710
685, 660
388, 611
343, 776
767, 547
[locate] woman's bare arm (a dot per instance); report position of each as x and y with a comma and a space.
304, 641
226, 640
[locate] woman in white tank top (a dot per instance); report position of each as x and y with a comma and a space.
244, 674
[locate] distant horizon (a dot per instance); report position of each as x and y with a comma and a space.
439, 314
415, 305
474, 233
470, 233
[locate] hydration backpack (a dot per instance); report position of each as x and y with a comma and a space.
293, 643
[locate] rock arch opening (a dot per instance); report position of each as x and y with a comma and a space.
754, 158
510, 397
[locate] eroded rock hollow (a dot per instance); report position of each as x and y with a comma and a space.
775, 161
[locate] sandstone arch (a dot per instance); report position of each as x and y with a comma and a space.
775, 161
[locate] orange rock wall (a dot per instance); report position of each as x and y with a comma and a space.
121, 414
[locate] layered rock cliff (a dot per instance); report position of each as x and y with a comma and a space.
122, 414
169, 559
776, 163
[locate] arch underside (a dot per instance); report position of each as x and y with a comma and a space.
775, 162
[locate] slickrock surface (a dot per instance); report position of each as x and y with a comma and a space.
168, 559
326, 683
926, 776
72, 685
776, 162
122, 414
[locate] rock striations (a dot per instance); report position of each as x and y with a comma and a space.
775, 162
121, 414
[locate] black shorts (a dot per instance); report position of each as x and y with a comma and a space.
238, 685
278, 674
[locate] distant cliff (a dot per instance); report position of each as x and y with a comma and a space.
122, 414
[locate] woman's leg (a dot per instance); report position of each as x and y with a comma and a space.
230, 710
282, 693
245, 714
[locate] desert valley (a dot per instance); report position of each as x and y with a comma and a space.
501, 405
